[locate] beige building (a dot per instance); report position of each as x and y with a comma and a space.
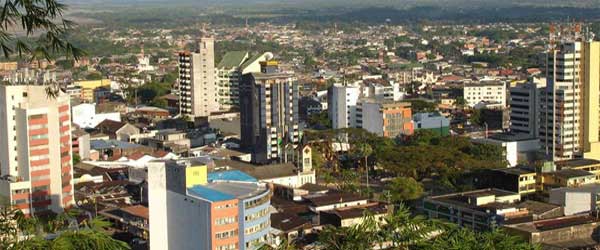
569, 106
35, 149
197, 80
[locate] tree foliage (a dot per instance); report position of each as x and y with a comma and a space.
402, 230
58, 233
43, 25
405, 189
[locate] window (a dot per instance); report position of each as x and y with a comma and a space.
257, 228
227, 247
225, 221
226, 234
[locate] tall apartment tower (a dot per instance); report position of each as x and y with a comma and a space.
35, 149
197, 80
269, 112
569, 106
341, 105
524, 107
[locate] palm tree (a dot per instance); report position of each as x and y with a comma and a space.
20, 232
403, 230
466, 239
363, 151
363, 236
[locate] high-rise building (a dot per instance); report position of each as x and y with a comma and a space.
385, 118
229, 74
569, 105
35, 149
190, 208
524, 107
269, 112
197, 81
341, 105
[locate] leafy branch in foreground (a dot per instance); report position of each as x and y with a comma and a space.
36, 28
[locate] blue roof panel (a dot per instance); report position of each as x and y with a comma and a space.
231, 175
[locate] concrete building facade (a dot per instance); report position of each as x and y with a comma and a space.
385, 118
193, 209
197, 81
35, 149
269, 113
489, 92
524, 107
569, 105
341, 104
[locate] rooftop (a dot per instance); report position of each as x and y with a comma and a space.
356, 212
333, 198
287, 222
577, 163
516, 170
222, 191
536, 207
230, 175
260, 172
111, 144
233, 59
572, 173
462, 199
552, 224
263, 76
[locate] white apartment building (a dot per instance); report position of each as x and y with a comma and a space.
383, 90
35, 149
341, 105
489, 92
197, 80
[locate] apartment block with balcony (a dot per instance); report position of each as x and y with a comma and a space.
269, 113
35, 149
193, 209
197, 81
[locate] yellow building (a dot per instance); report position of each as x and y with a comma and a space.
589, 165
87, 88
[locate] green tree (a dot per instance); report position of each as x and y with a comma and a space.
405, 189
476, 118
420, 106
76, 159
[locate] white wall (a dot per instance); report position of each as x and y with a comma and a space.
573, 202
84, 115
342, 106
